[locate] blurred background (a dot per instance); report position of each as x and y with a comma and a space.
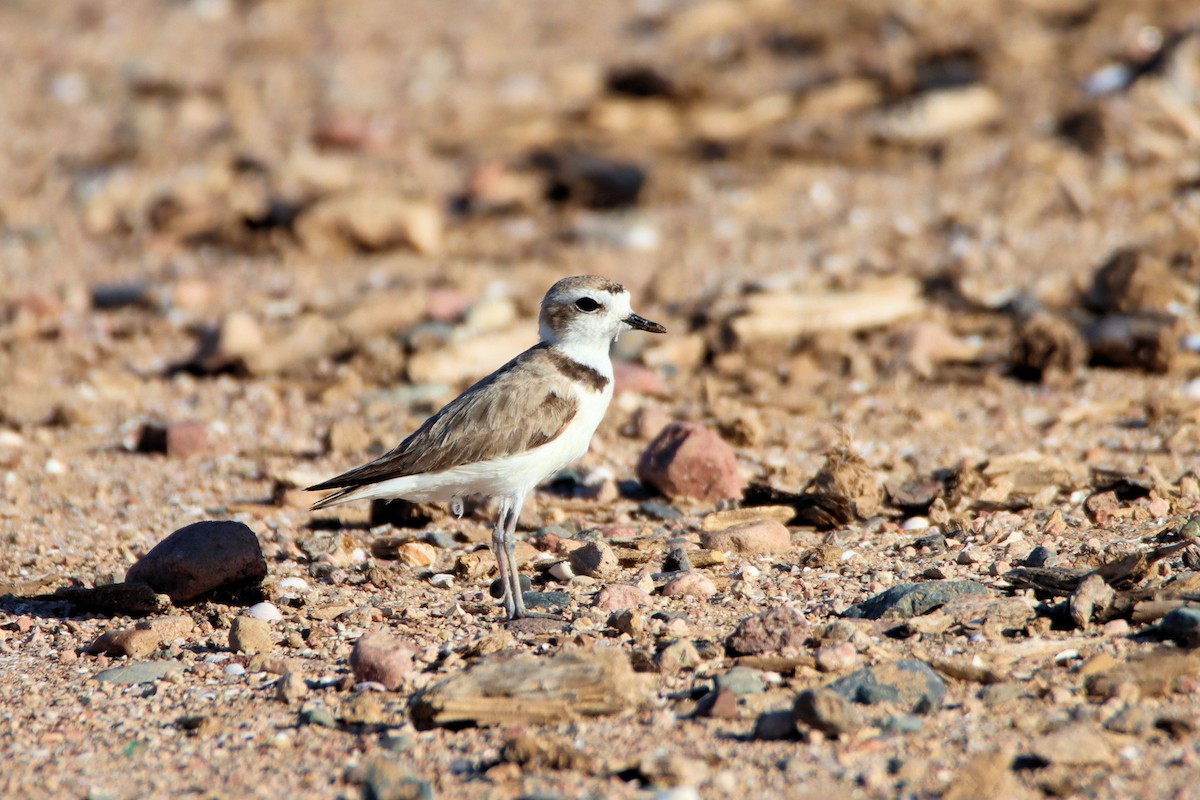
930, 273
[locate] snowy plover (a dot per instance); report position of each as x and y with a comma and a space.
516, 427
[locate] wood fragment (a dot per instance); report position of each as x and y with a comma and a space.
520, 688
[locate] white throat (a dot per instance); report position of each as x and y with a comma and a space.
592, 353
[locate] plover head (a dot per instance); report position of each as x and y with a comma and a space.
589, 308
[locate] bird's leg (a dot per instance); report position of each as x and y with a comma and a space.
510, 546
510, 549
504, 563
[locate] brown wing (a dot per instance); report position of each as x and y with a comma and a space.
509, 411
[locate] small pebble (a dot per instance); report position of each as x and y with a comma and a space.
235, 670
442, 580
497, 588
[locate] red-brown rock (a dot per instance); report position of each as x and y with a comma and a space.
689, 460
777, 630
199, 558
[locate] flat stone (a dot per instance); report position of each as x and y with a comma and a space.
758, 536
780, 630
199, 558
546, 599
594, 559
1155, 674
689, 460
249, 635
1075, 745
741, 681
621, 596
691, 584
826, 711
142, 672
129, 642
385, 778
909, 683
913, 599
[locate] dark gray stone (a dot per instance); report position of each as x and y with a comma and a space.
1040, 557
497, 588
912, 684
913, 599
546, 599
199, 558
660, 511
1181, 626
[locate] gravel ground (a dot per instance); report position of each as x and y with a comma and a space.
929, 271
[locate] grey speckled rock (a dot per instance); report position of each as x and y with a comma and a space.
913, 599
908, 683
142, 672
199, 558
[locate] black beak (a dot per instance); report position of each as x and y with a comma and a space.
643, 324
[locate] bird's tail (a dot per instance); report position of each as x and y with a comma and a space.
340, 496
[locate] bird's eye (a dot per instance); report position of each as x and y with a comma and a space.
586, 304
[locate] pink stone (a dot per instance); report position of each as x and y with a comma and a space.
690, 584
636, 378
689, 460
620, 596
756, 536
446, 305
377, 656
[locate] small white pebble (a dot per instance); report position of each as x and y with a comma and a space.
562, 571
294, 584
916, 524
442, 580
11, 439
55, 467
748, 572
216, 658
235, 670
265, 611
